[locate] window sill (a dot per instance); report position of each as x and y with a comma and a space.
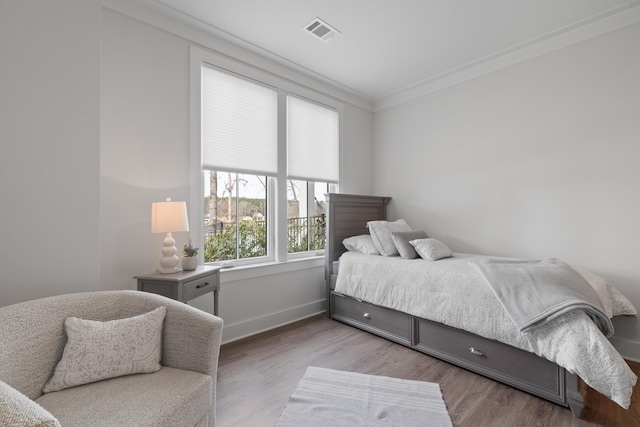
244, 272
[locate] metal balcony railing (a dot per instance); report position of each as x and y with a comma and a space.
222, 243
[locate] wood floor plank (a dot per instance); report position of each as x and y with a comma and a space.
257, 375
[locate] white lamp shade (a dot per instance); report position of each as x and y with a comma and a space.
169, 217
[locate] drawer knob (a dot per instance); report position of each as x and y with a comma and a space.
476, 351
366, 316
203, 285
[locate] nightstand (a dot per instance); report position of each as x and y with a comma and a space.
184, 285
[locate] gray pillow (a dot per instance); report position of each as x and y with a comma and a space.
401, 241
431, 249
97, 350
16, 409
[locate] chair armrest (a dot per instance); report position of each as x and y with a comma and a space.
16, 409
191, 339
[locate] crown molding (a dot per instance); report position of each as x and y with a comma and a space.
158, 15
613, 20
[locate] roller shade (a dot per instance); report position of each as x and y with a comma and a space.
312, 141
239, 124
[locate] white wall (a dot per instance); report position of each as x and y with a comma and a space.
49, 147
144, 151
356, 168
145, 157
94, 127
536, 160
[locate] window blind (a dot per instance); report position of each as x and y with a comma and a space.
239, 124
312, 141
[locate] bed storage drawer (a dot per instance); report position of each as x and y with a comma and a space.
491, 358
390, 324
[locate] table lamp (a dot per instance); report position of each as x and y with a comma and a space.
169, 217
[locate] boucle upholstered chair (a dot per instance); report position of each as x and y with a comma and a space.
181, 393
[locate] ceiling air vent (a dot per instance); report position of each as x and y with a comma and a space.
320, 29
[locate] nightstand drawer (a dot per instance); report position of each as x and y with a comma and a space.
195, 288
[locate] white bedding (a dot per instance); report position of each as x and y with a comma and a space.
451, 291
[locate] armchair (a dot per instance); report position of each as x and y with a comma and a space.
181, 393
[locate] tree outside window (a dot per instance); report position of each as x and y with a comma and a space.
234, 216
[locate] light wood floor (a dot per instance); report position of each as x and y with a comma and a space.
257, 375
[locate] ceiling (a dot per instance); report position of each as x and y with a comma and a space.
386, 47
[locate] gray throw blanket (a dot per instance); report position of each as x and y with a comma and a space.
535, 292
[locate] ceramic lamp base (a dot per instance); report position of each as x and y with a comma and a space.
169, 261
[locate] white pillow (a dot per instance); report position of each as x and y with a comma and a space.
615, 304
620, 305
98, 350
401, 241
381, 234
362, 244
431, 249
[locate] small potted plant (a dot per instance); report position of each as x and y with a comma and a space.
190, 257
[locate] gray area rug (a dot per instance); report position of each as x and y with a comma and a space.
325, 397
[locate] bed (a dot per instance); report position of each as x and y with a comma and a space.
541, 361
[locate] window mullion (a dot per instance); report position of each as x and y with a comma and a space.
237, 216
281, 241
310, 211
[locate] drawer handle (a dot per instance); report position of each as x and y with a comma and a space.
203, 285
366, 316
476, 351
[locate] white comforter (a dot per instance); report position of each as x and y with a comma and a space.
453, 292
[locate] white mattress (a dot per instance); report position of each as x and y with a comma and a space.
451, 291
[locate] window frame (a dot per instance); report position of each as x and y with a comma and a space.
277, 242
269, 224
310, 191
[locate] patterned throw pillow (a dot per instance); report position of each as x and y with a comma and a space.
97, 350
431, 249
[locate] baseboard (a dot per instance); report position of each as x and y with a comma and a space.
627, 337
256, 325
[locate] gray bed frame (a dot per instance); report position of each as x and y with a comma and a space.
347, 215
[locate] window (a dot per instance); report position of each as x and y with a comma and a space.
235, 221
306, 216
268, 156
